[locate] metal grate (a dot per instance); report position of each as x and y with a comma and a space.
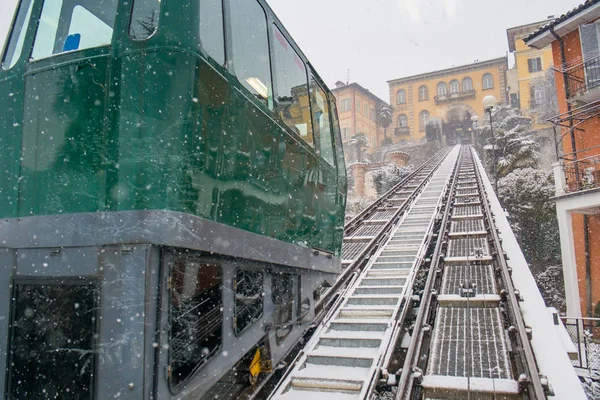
467, 199
468, 247
382, 215
469, 342
461, 211
467, 225
481, 275
367, 230
352, 249
467, 191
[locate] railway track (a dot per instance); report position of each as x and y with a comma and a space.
457, 333
343, 358
469, 338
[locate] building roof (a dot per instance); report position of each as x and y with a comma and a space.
512, 33
566, 23
341, 86
453, 70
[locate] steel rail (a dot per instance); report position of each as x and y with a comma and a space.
536, 390
425, 308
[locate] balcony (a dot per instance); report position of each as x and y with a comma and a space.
449, 97
583, 81
402, 131
578, 175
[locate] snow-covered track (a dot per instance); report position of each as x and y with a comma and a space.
469, 338
343, 358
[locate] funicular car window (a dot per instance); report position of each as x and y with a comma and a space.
73, 25
212, 34
251, 60
196, 316
282, 286
320, 114
292, 102
14, 47
144, 19
248, 289
52, 349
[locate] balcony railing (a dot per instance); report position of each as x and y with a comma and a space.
582, 174
445, 98
401, 131
583, 78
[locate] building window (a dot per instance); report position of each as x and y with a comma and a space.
292, 88
248, 290
212, 36
52, 340
357, 106
534, 64
250, 49
536, 94
401, 96
423, 118
423, 93
467, 84
345, 133
196, 316
366, 110
442, 89
402, 121
345, 105
372, 114
488, 81
454, 86
71, 26
144, 19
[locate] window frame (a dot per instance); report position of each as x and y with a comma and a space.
444, 86
464, 80
491, 81
454, 84
401, 97
534, 64
405, 119
422, 123
129, 24
93, 281
22, 34
168, 261
234, 289
423, 93
317, 138
226, 56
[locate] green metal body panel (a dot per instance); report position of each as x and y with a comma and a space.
156, 125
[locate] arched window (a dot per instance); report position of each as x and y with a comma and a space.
402, 121
442, 89
467, 84
401, 96
488, 81
423, 93
454, 86
423, 117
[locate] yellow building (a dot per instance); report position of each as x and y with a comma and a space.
531, 66
453, 95
357, 109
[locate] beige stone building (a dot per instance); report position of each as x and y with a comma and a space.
357, 108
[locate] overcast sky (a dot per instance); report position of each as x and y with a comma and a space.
379, 40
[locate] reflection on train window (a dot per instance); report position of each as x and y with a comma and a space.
320, 114
73, 25
53, 325
144, 19
17, 36
248, 289
251, 48
282, 287
196, 316
212, 35
292, 88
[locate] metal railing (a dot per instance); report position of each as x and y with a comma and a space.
583, 77
463, 94
582, 174
402, 130
585, 334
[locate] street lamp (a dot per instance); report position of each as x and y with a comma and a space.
489, 102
